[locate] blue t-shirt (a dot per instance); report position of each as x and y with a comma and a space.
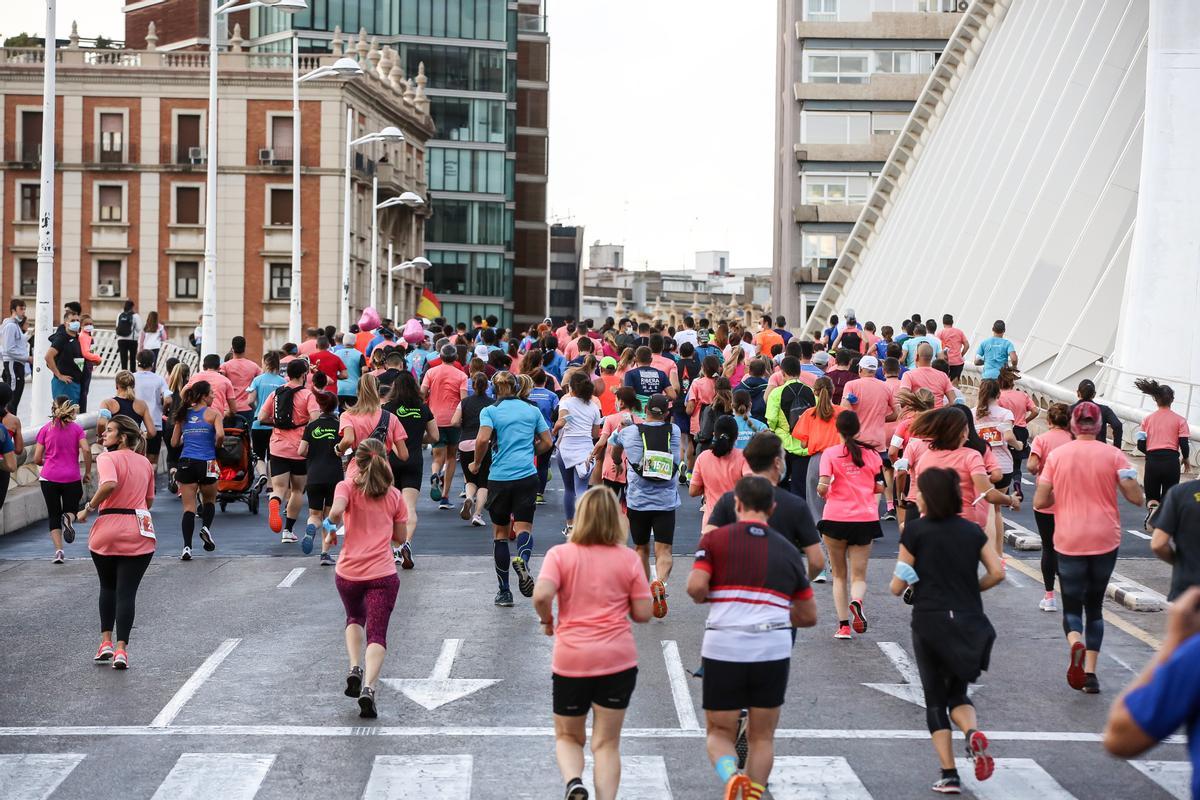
1171, 699
647, 381
642, 494
881, 347
516, 425
994, 351
348, 386
545, 400
263, 386
746, 429
913, 342
557, 366
706, 350
416, 360
6, 441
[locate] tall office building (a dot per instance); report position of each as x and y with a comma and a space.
848, 73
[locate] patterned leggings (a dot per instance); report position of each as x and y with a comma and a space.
370, 604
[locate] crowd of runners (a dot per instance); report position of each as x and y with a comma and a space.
799, 448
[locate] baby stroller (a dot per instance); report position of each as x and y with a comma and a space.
236, 479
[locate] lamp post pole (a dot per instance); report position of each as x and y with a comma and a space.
374, 294
208, 314
294, 319
391, 312
44, 322
344, 321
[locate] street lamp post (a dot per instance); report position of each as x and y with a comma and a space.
410, 200
374, 293
44, 322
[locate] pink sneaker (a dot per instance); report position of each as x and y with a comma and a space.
843, 632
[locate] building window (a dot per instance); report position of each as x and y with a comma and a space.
834, 128
187, 205
821, 250
833, 67
109, 201
821, 10
31, 136
108, 278
281, 138
187, 139
281, 282
466, 171
187, 280
906, 62
888, 123
30, 195
112, 138
27, 277
281, 206
837, 189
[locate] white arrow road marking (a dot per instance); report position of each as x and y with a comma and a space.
419, 777
192, 684
34, 776
642, 778
439, 688
684, 707
911, 690
1175, 777
1014, 777
200, 776
815, 778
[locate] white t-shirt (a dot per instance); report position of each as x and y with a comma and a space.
992, 428
575, 439
150, 388
153, 340
686, 335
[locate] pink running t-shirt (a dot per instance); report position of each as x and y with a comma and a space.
1045, 444
931, 379
717, 475
1164, 428
1083, 474
446, 386
851, 495
874, 403
367, 549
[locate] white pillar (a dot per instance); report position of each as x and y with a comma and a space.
44, 322
294, 321
1161, 289
374, 293
208, 314
347, 201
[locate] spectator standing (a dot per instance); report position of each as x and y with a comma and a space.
14, 352
128, 329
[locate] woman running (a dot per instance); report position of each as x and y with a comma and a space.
179, 377
721, 406
600, 586
577, 429
60, 443
1163, 437
122, 538
467, 416
747, 425
404, 401
699, 395
850, 477
816, 430
607, 385
937, 570
373, 513
15, 442
1080, 480
719, 467
324, 470
1043, 445
126, 403
198, 435
629, 412
1024, 412
368, 419
994, 423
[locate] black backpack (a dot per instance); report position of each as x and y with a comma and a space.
797, 399
381, 428
758, 399
125, 323
285, 405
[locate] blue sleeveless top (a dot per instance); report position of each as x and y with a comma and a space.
198, 437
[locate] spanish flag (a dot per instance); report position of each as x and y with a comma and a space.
429, 307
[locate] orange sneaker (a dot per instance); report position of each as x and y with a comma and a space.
658, 598
737, 788
274, 518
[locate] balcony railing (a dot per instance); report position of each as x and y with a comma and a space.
24, 152
531, 23
186, 155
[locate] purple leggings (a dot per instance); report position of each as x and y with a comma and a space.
369, 604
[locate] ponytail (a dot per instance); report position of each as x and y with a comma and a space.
989, 390
63, 412
848, 426
741, 404
191, 395
823, 389
1163, 394
725, 433
374, 477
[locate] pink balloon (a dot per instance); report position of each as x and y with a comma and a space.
414, 332
369, 320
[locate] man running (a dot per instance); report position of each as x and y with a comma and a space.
443, 387
995, 352
646, 379
956, 345
241, 372
924, 376
224, 398
288, 409
755, 580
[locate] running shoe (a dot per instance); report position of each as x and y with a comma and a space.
742, 744
59, 556
68, 527
435, 487
1048, 603
259, 484
540, 500
462, 494
566, 531
274, 518
843, 632
326, 560
468, 509
287, 537
1076, 677
477, 521
105, 653
889, 516
120, 660
658, 598
310, 533
366, 703
858, 620
576, 790
445, 505
524, 579
977, 745
186, 555
354, 682
396, 554
1150, 509
1091, 684
172, 486
737, 787
822, 576
406, 559
504, 598
206, 537
948, 786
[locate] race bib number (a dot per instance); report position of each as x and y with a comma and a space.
213, 471
993, 436
145, 523
658, 465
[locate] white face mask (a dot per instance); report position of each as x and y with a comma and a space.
73, 326
90, 328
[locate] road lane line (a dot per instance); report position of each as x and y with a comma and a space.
642, 778
1014, 777
291, 578
200, 776
1139, 534
1174, 777
192, 684
815, 778
1121, 661
35, 776
684, 708
418, 777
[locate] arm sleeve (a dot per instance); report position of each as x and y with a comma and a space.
1172, 695
1114, 422
1184, 446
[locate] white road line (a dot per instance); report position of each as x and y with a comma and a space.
1014, 777
1028, 482
412, 777
1139, 534
1011, 578
1175, 777
200, 776
815, 778
684, 708
291, 578
35, 776
1121, 661
642, 778
203, 673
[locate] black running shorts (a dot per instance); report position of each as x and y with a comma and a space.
193, 470
512, 501
734, 685
285, 466
643, 523
574, 697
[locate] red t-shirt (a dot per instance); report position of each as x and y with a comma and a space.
328, 363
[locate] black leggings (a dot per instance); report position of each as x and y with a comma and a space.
1045, 526
61, 498
127, 350
1022, 436
1083, 581
1162, 472
943, 690
797, 474
119, 579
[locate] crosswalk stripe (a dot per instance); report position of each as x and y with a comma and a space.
33, 776
815, 778
230, 776
419, 777
1014, 777
642, 778
1175, 777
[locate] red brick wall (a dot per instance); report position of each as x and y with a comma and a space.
8, 267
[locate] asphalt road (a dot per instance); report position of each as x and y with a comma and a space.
238, 663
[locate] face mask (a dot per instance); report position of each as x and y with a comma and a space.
73, 326
90, 329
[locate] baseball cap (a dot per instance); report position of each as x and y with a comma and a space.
1085, 418
821, 358
608, 361
868, 362
659, 403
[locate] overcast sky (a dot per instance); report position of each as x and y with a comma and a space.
661, 120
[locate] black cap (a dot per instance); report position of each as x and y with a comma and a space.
659, 403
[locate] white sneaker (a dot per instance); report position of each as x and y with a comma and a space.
477, 521
186, 555
59, 556
287, 537
1048, 603
396, 555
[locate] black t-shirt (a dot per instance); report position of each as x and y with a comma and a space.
647, 381
1180, 517
68, 350
324, 466
946, 554
414, 421
792, 517
472, 405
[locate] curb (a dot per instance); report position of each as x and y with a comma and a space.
1134, 596
1022, 541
